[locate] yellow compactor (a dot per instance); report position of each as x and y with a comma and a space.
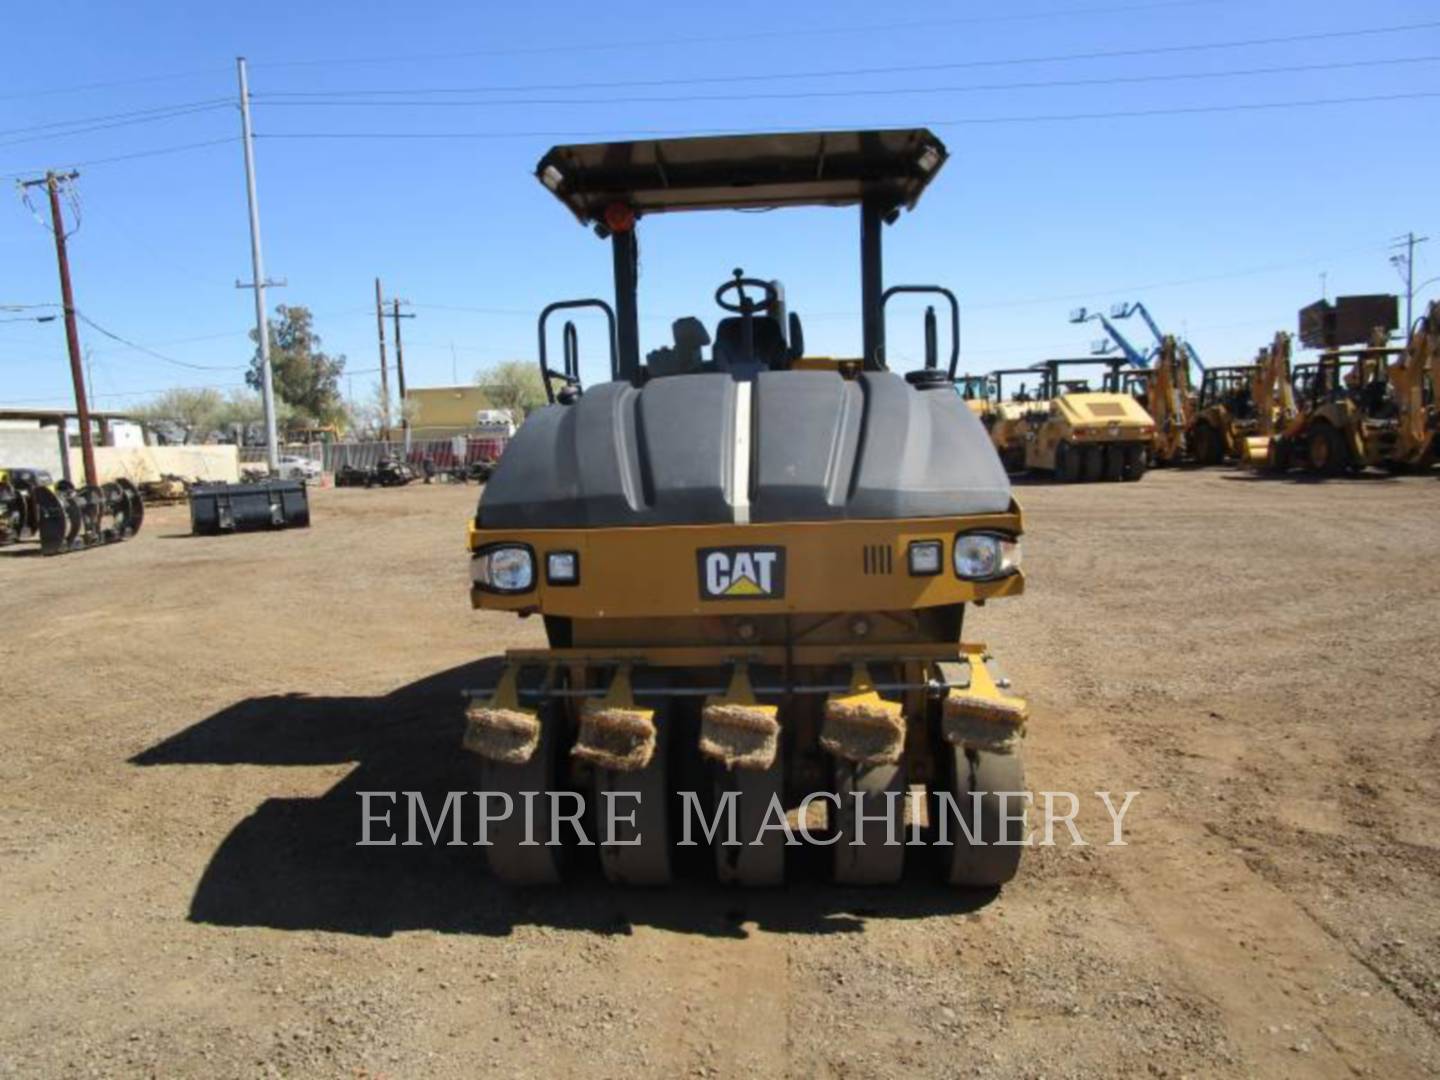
752, 565
1080, 434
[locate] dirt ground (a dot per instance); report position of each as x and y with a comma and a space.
185, 722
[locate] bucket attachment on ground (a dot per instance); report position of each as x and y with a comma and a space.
498, 727
272, 504
614, 732
861, 726
68, 519
983, 717
1257, 451
736, 730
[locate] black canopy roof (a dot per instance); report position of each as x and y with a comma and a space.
827, 168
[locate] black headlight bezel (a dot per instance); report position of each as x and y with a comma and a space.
489, 549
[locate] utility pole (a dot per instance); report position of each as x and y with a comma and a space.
257, 268
52, 182
400, 366
384, 369
1406, 265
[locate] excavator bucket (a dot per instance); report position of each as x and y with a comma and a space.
227, 508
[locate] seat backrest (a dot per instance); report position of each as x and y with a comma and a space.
770, 348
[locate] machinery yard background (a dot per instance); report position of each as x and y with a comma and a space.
178, 810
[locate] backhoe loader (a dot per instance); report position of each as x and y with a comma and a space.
1163, 390
752, 564
1355, 409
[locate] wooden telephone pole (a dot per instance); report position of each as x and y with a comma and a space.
52, 182
384, 369
400, 364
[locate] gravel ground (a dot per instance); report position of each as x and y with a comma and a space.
186, 722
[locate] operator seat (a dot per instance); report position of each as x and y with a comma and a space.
771, 350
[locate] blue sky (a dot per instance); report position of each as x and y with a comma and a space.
1221, 221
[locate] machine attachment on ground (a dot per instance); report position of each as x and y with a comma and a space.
65, 518
216, 509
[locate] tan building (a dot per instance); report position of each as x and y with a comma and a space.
441, 411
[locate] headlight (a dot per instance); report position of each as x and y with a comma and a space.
562, 568
504, 568
983, 556
925, 557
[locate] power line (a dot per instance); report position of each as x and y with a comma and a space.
890, 91
904, 69
108, 84
807, 32
1120, 114
151, 352
157, 152
172, 115
115, 116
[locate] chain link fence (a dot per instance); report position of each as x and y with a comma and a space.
452, 452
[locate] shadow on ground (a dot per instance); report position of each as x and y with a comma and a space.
294, 863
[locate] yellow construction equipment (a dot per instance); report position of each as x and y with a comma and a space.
752, 565
1079, 434
1354, 409
1163, 390
1007, 419
1275, 406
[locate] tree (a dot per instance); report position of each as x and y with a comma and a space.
242, 408
305, 378
513, 385
192, 415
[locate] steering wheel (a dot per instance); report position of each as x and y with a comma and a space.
744, 305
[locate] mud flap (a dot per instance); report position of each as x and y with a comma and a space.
982, 716
861, 726
498, 728
736, 730
614, 733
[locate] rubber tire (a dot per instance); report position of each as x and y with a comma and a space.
507, 857
1067, 463
751, 865
1134, 463
1330, 459
1208, 448
648, 862
1115, 462
1092, 463
984, 864
874, 862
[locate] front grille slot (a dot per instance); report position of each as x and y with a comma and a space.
878, 559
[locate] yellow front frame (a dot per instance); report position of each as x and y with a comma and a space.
652, 572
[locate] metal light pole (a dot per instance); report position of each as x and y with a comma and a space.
257, 268
1406, 265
